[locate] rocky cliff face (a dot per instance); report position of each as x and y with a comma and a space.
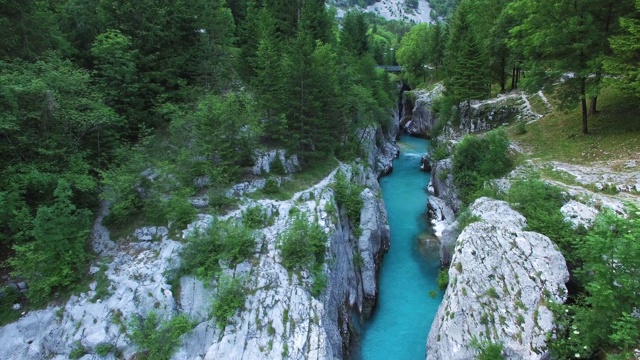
501, 281
280, 318
443, 187
418, 119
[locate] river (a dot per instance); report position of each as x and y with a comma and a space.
400, 324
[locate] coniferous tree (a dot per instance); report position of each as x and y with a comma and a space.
467, 76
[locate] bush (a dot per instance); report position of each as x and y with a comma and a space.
604, 314
254, 217
271, 186
224, 240
104, 349
443, 279
520, 128
228, 300
57, 257
277, 167
319, 281
348, 196
78, 351
440, 152
465, 218
302, 245
477, 159
488, 350
174, 209
156, 338
540, 203
10, 296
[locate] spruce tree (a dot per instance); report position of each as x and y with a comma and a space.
466, 65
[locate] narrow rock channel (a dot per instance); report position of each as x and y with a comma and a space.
405, 310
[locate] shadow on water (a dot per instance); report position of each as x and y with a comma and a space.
400, 323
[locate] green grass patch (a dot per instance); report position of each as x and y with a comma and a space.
614, 132
538, 105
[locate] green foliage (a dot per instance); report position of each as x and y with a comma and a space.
348, 196
271, 186
320, 281
440, 153
520, 128
104, 349
625, 58
303, 244
602, 317
488, 349
57, 256
540, 203
223, 241
174, 209
277, 167
157, 338
78, 351
443, 279
10, 296
254, 217
477, 159
465, 218
467, 66
228, 300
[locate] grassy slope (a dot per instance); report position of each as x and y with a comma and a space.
615, 132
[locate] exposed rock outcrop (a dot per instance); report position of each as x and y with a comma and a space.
280, 315
419, 120
443, 186
264, 162
500, 282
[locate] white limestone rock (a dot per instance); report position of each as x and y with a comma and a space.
578, 214
443, 186
500, 281
264, 161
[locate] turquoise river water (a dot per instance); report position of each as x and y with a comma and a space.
400, 324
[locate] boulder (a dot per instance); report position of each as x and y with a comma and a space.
578, 214
500, 282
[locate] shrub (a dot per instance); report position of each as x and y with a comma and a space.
228, 300
303, 244
277, 167
156, 338
254, 217
78, 351
477, 159
271, 186
348, 196
224, 240
9, 297
520, 128
488, 349
174, 209
540, 203
103, 349
440, 152
319, 281
465, 218
604, 314
443, 279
